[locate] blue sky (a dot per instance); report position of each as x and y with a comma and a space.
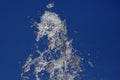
97, 24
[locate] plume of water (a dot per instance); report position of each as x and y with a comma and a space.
59, 60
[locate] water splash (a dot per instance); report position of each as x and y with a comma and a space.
51, 5
58, 61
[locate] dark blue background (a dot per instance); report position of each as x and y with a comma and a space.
96, 21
